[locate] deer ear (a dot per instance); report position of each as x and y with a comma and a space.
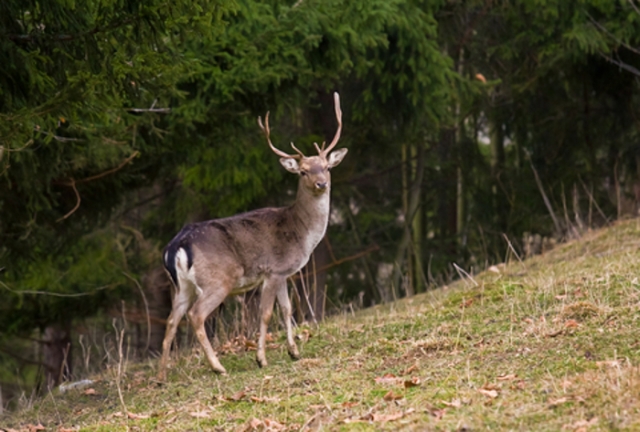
290, 165
336, 157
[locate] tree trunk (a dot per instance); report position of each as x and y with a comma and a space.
56, 354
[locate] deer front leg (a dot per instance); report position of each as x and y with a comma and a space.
285, 306
267, 299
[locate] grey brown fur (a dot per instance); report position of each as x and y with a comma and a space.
210, 260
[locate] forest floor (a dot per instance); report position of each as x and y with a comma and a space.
550, 343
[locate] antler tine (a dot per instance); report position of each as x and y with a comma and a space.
296, 149
318, 147
336, 100
267, 132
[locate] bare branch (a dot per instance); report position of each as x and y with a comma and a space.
621, 64
55, 294
73, 210
154, 110
111, 171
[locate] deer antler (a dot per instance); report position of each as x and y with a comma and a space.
324, 152
267, 132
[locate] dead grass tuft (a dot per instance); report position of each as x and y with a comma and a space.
581, 310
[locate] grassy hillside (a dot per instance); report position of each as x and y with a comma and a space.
551, 343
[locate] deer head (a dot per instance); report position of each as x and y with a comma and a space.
313, 170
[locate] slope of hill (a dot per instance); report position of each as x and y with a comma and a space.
550, 343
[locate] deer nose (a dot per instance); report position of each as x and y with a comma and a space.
321, 185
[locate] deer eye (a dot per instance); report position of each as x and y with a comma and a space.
303, 173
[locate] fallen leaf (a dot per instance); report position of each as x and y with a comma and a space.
608, 363
561, 297
413, 382
489, 393
383, 418
508, 377
64, 429
391, 396
466, 303
250, 345
349, 404
90, 391
34, 428
571, 323
555, 333
581, 425
410, 369
483, 80
456, 403
236, 397
264, 399
493, 268
387, 378
559, 401
437, 413
134, 416
200, 414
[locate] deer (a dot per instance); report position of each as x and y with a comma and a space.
212, 260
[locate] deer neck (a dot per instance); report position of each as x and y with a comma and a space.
312, 214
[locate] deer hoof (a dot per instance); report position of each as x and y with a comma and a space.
220, 370
261, 362
294, 354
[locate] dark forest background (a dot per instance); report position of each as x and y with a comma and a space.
478, 131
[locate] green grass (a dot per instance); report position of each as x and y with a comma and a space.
551, 343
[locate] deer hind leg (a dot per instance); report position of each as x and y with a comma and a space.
267, 299
208, 301
181, 303
285, 306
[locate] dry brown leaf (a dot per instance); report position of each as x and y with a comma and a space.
410, 369
508, 377
34, 428
387, 378
90, 391
64, 429
383, 418
555, 333
413, 382
571, 323
264, 399
200, 414
489, 393
391, 396
561, 297
492, 269
456, 403
609, 363
581, 425
349, 404
236, 397
466, 303
250, 345
134, 416
437, 413
559, 401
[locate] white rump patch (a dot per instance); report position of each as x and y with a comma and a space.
186, 275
